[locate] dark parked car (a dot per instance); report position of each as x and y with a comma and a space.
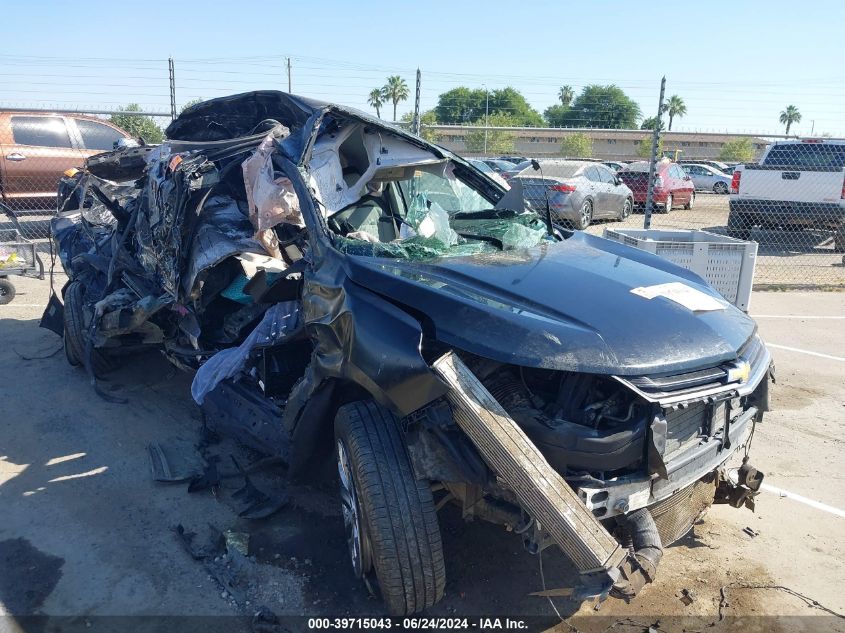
345, 290
672, 187
578, 192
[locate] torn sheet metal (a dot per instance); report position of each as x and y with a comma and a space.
280, 322
270, 196
223, 231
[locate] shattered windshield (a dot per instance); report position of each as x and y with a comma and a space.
429, 212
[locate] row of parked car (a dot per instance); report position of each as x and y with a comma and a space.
580, 191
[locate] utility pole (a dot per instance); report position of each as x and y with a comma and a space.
486, 116
287, 59
172, 72
652, 163
416, 125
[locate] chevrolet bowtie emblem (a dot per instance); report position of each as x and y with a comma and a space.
740, 371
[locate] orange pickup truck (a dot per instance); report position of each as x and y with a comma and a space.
37, 147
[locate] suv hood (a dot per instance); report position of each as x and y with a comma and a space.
565, 306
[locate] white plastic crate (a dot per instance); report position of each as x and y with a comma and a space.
724, 262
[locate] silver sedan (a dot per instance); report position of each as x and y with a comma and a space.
707, 178
578, 191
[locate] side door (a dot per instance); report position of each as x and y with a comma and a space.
611, 194
596, 190
683, 185
40, 151
696, 174
95, 136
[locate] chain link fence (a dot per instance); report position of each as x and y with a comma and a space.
785, 193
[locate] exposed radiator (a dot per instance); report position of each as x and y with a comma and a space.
524, 470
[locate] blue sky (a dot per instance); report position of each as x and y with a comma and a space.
736, 64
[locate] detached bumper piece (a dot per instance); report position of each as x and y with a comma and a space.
544, 494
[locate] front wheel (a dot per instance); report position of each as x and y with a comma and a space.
389, 515
75, 338
7, 291
627, 209
585, 215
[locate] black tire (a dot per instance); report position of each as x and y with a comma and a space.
394, 512
7, 291
689, 205
585, 215
76, 332
627, 209
721, 188
739, 226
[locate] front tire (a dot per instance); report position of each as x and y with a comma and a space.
7, 291
585, 215
627, 209
390, 517
76, 332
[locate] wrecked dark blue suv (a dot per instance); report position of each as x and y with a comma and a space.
342, 287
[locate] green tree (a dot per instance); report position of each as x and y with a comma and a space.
739, 149
375, 100
648, 124
395, 90
190, 103
566, 95
137, 125
597, 107
644, 147
577, 145
674, 107
498, 141
789, 116
465, 106
556, 114
427, 120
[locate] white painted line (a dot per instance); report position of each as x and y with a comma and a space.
804, 351
810, 502
793, 316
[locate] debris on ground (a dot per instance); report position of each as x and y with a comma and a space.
237, 541
687, 597
751, 532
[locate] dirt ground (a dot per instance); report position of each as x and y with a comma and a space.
86, 532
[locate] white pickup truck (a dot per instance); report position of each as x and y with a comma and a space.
797, 184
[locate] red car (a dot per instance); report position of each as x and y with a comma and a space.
672, 186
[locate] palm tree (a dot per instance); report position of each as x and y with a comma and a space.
789, 116
375, 100
566, 95
675, 107
395, 90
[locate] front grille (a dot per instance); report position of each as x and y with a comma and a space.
676, 515
687, 426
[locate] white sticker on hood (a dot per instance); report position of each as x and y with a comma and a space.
687, 296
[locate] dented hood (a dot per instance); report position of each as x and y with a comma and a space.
565, 306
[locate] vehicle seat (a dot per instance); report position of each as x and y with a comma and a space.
370, 214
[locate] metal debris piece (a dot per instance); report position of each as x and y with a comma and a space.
175, 461
751, 532
687, 597
238, 541
257, 504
